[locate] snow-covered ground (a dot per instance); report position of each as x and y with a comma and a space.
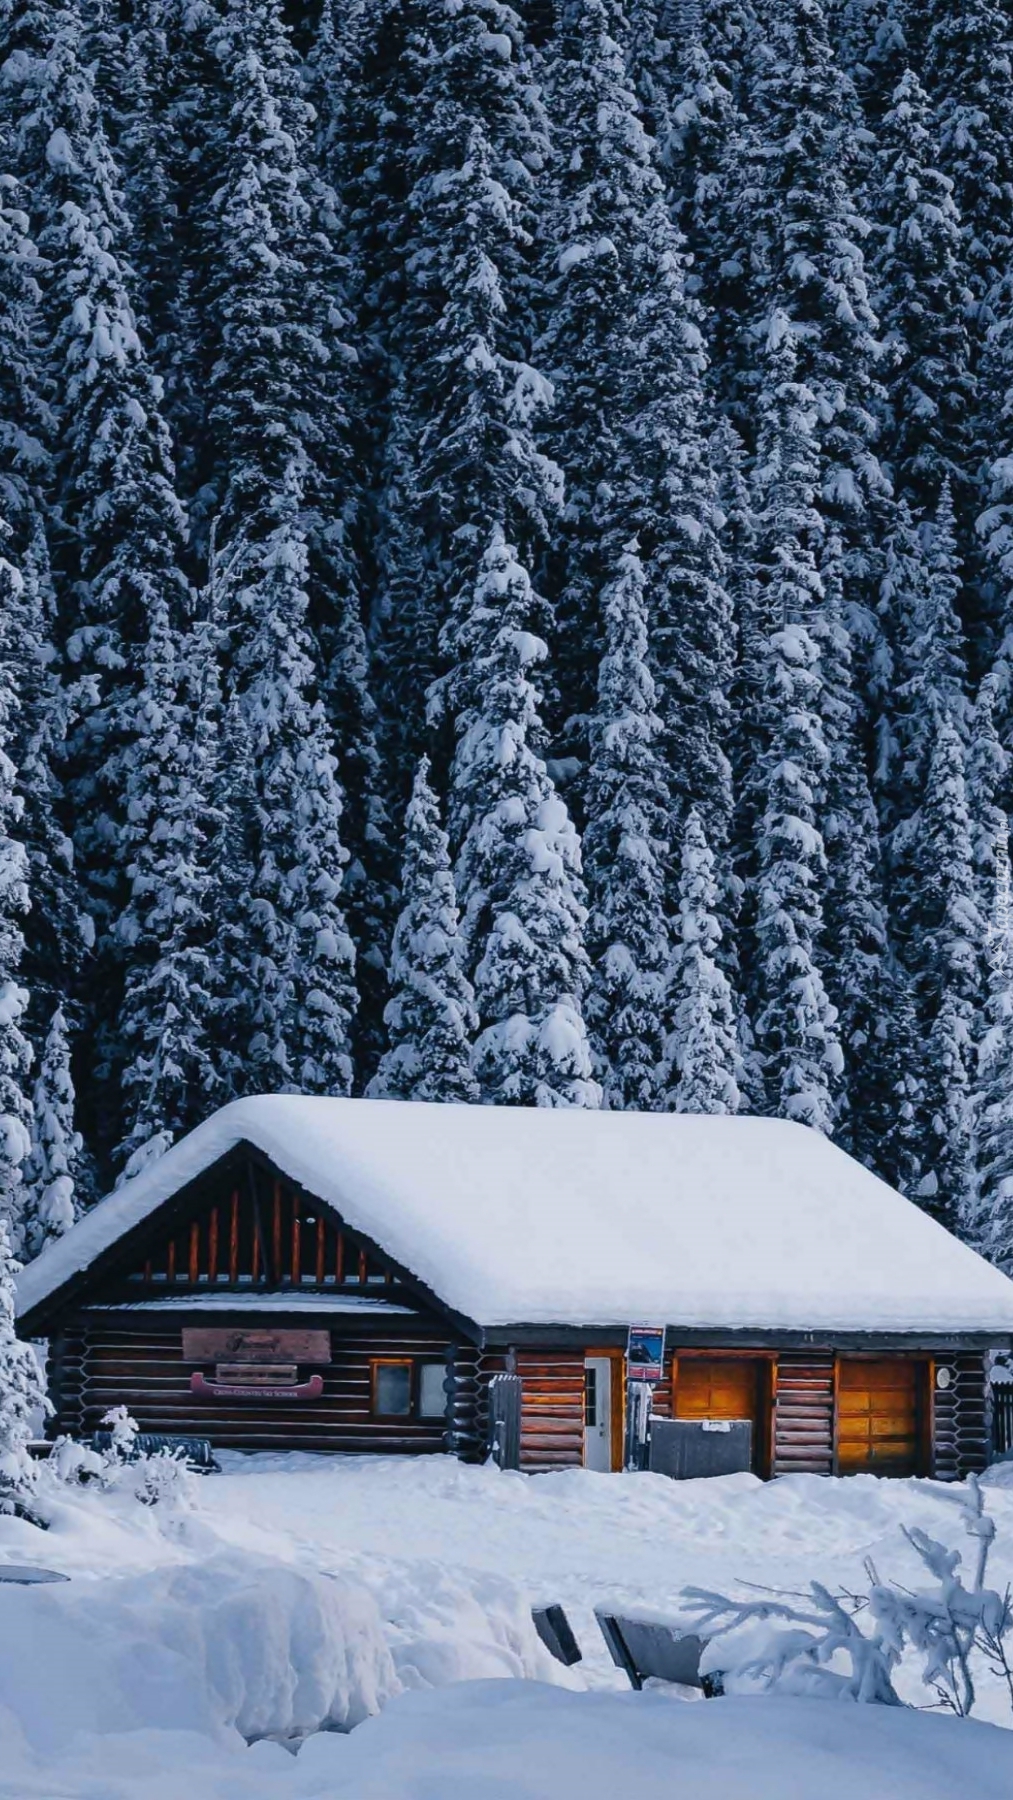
309, 1592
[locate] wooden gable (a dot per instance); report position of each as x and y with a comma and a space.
256, 1230
241, 1227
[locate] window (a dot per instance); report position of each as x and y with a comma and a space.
405, 1389
432, 1397
392, 1390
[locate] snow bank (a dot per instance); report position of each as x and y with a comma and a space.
525, 1215
485, 1741
230, 1644
496, 1739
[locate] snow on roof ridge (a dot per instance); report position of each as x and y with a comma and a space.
565, 1216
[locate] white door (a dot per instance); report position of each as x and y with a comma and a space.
598, 1413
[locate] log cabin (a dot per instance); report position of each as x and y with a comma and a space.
348, 1275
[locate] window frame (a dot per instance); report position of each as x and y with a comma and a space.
376, 1363
414, 1365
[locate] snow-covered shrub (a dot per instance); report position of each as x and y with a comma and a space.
73, 1463
165, 1479
848, 1646
22, 1395
122, 1432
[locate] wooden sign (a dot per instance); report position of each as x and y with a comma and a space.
255, 1344
203, 1389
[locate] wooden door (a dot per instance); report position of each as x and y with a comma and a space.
878, 1407
726, 1387
722, 1387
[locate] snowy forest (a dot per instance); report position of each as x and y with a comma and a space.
506, 589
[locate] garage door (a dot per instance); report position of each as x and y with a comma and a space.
877, 1416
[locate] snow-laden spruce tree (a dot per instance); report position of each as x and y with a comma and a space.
703, 1060
430, 1015
900, 1106
988, 1217
53, 935
51, 1171
807, 252
168, 1079
930, 682
947, 931
854, 911
22, 1390
121, 530
624, 347
968, 63
15, 1053
988, 766
625, 847
701, 127
795, 1022
278, 398
518, 867
920, 289
233, 856
463, 458
299, 955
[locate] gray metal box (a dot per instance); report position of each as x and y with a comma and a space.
689, 1448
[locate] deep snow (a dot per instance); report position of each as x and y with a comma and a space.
308, 1591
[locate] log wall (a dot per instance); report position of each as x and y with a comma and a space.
960, 1438
552, 1408
143, 1369
803, 1427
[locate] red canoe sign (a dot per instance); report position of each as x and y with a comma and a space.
204, 1389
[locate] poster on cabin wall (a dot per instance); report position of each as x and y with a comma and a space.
645, 1353
255, 1344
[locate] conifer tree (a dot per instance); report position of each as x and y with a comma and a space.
900, 1105
625, 844
15, 1053
987, 779
233, 853
968, 71
278, 399
53, 931
169, 1079
301, 957
467, 396
930, 659
988, 1220
945, 932
518, 869
703, 1053
430, 1016
857, 973
922, 298
625, 351
808, 257
795, 1022
22, 1391
120, 542
51, 1171
700, 133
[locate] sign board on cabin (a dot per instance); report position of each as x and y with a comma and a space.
645, 1353
255, 1344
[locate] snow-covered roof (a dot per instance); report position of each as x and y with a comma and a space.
255, 1300
523, 1216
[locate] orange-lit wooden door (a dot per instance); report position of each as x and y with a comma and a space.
722, 1387
878, 1415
